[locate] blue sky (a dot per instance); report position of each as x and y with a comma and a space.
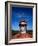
19, 13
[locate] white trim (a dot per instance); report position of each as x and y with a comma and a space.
34, 22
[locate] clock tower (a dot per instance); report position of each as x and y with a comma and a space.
23, 26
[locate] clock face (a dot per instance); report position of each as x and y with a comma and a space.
23, 29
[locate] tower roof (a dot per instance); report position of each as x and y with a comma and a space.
23, 22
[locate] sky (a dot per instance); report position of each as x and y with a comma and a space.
19, 13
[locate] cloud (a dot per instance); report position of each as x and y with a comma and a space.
20, 14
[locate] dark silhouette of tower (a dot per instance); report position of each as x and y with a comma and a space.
23, 26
